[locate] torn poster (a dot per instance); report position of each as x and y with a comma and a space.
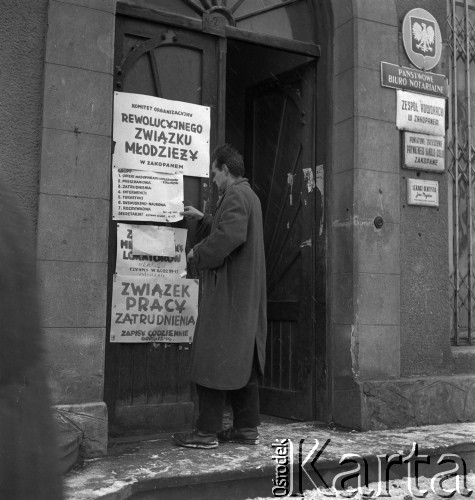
320, 182
129, 264
153, 240
290, 183
308, 176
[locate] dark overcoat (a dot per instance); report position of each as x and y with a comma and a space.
232, 314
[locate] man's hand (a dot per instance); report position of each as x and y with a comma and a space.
193, 213
190, 256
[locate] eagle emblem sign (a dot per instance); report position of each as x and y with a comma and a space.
422, 39
423, 36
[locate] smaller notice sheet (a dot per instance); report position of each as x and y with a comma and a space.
146, 196
420, 113
151, 310
424, 152
422, 192
151, 133
155, 265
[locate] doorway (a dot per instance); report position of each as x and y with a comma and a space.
263, 103
269, 115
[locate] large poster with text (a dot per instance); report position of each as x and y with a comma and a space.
154, 263
153, 310
151, 133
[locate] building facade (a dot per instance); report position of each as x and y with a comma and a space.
369, 296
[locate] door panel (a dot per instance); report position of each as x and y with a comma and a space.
282, 170
147, 385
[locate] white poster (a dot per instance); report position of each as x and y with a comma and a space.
146, 196
151, 133
153, 310
130, 264
420, 113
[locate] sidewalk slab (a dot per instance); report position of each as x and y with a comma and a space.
156, 468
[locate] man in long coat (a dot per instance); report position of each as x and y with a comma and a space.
229, 343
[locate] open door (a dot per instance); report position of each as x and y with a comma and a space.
271, 120
147, 385
282, 155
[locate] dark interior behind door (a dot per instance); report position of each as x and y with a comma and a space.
281, 149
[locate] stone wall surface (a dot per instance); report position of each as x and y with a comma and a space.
389, 284
74, 204
22, 41
419, 401
365, 277
425, 311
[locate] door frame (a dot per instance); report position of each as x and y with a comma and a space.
278, 43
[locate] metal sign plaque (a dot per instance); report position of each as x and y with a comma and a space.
420, 113
413, 80
421, 192
422, 39
424, 152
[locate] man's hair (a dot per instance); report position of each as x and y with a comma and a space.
226, 154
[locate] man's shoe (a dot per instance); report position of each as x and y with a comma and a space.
195, 439
242, 435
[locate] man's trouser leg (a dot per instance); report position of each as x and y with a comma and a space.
245, 402
211, 408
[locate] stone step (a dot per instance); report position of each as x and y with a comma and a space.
252, 483
69, 439
154, 468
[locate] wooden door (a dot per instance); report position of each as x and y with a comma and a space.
147, 385
282, 157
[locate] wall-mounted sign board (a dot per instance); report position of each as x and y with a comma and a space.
420, 113
413, 80
424, 152
422, 192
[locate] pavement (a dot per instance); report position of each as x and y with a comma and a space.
153, 467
